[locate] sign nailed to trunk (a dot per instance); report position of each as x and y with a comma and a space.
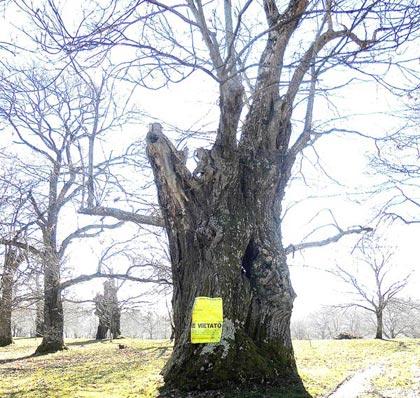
207, 320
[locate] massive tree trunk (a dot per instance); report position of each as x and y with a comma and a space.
224, 232
100, 312
116, 324
113, 308
12, 259
52, 340
225, 241
101, 331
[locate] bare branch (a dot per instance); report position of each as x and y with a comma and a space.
84, 232
123, 215
307, 245
85, 278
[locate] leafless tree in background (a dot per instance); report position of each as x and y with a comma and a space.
108, 311
371, 283
15, 225
402, 318
13, 257
331, 321
50, 119
223, 219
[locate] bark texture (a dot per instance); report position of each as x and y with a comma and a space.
225, 241
39, 320
101, 331
12, 259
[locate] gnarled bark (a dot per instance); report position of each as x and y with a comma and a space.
101, 331
53, 338
225, 241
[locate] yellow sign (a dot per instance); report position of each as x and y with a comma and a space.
207, 320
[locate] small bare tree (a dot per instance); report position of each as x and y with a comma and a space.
371, 285
329, 322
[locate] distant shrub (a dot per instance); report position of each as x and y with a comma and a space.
347, 336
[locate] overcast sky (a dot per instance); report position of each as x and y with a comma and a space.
192, 104
346, 159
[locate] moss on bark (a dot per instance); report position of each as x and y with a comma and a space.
244, 363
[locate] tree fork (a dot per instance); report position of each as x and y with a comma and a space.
224, 243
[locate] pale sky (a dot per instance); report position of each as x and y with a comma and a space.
345, 159
192, 104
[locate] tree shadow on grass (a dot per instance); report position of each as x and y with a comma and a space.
85, 342
155, 348
93, 341
400, 344
4, 361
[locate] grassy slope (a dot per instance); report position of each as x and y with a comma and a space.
102, 370
325, 364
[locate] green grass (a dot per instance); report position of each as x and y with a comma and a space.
323, 364
84, 370
90, 369
402, 372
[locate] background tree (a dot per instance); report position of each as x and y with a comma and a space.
371, 282
49, 119
13, 257
223, 220
15, 225
401, 318
79, 319
331, 321
108, 310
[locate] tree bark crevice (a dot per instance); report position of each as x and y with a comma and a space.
227, 244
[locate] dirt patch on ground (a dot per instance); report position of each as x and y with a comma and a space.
357, 384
